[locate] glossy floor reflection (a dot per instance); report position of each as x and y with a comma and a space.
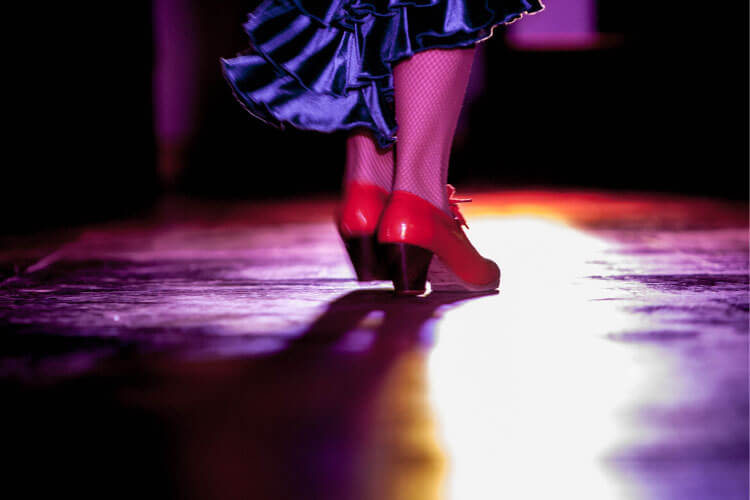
224, 351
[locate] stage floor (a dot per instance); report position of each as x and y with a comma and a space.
224, 350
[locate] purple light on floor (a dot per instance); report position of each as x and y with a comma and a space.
571, 25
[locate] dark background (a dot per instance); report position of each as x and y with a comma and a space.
666, 109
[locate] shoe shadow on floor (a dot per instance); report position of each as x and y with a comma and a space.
401, 319
346, 396
333, 415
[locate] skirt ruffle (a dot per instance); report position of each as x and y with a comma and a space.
328, 66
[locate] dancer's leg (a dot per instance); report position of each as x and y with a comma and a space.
429, 91
366, 163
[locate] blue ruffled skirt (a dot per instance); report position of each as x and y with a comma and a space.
327, 65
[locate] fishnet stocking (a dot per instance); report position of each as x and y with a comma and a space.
429, 91
367, 163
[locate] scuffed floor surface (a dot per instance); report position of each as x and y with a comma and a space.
222, 351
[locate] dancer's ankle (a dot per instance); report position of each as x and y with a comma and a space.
430, 196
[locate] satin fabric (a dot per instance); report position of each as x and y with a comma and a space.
328, 66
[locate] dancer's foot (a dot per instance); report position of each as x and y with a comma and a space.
357, 221
425, 243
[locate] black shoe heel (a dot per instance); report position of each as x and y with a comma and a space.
368, 258
407, 267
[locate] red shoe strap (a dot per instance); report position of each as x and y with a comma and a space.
453, 205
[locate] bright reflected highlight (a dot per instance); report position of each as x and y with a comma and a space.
543, 389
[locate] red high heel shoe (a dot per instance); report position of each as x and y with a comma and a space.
424, 243
357, 221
